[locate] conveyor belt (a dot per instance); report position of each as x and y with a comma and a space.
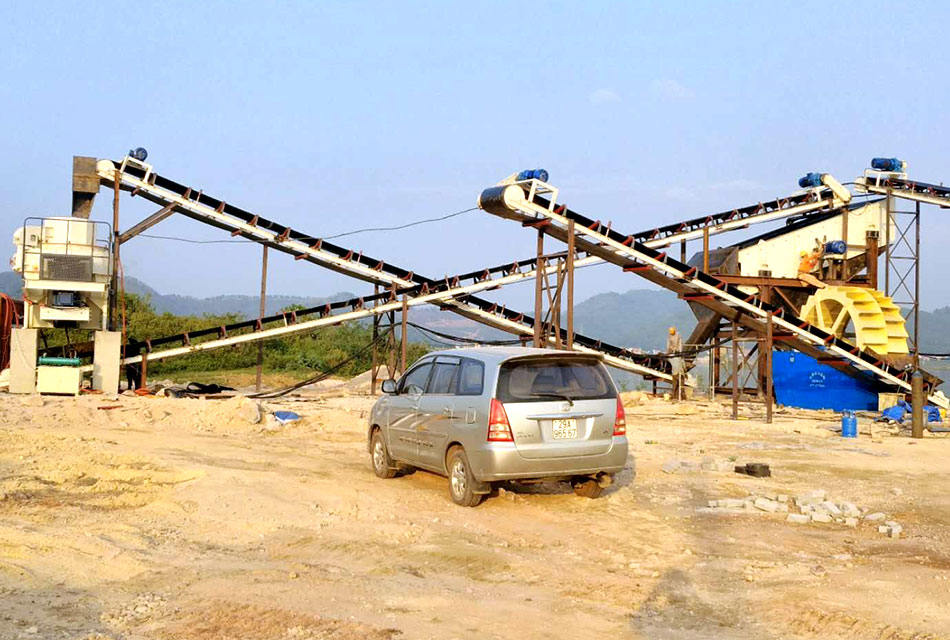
886, 184
520, 202
446, 291
141, 180
343, 311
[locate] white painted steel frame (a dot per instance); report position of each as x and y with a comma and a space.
530, 208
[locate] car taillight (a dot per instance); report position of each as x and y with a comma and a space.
620, 422
498, 428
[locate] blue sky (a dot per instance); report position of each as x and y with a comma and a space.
335, 116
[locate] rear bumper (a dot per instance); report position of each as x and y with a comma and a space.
501, 461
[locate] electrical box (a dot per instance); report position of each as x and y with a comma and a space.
59, 380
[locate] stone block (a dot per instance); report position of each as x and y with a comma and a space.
797, 518
820, 516
831, 508
849, 509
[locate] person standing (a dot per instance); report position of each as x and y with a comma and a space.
674, 351
808, 263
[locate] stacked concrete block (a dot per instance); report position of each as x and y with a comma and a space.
813, 506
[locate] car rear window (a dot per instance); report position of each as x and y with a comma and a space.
549, 379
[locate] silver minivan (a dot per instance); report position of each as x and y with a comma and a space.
485, 415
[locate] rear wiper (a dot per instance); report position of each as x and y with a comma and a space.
559, 396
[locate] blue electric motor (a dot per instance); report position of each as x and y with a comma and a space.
533, 174
810, 180
836, 246
139, 153
887, 164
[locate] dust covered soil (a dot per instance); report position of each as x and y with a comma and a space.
182, 518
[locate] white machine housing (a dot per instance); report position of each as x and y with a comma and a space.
66, 264
780, 254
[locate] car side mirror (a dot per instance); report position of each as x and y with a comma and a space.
389, 386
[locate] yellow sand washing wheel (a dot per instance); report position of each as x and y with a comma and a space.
865, 316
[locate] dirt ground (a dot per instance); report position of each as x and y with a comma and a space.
180, 518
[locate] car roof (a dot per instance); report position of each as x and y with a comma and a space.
501, 354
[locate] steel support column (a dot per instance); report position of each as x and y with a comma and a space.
538, 293
263, 312
902, 267
569, 345
735, 371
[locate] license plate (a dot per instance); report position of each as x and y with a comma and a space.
564, 428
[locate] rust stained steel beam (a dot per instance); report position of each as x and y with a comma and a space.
353, 264
925, 192
598, 240
764, 281
147, 223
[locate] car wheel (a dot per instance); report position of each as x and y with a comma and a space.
586, 487
461, 480
382, 463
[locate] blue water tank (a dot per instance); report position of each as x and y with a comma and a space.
801, 381
849, 425
887, 164
836, 246
810, 180
533, 174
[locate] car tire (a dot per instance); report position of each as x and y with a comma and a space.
586, 487
461, 480
379, 455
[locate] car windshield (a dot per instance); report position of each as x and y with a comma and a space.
550, 379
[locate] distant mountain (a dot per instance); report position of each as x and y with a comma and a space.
247, 306
637, 318
11, 284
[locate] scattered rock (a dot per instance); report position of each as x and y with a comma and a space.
831, 508
754, 469
679, 466
250, 410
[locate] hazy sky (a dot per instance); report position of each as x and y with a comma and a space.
335, 116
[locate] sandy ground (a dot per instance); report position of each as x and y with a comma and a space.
164, 518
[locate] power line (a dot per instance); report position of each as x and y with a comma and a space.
338, 235
191, 240
403, 226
